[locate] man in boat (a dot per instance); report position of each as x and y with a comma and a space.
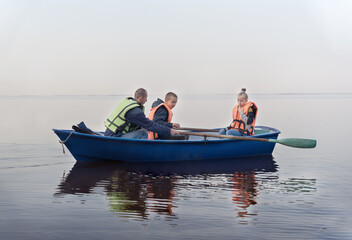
129, 121
161, 113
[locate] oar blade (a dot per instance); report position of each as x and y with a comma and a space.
296, 142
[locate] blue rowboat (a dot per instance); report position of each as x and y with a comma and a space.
88, 147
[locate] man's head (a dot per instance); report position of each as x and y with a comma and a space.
141, 95
171, 100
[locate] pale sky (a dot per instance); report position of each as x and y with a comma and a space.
188, 46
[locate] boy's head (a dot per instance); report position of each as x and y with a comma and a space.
171, 100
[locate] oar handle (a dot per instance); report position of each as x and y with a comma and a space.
224, 136
198, 129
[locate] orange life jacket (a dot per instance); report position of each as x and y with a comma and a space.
152, 135
238, 123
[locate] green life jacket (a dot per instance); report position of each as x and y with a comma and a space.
117, 120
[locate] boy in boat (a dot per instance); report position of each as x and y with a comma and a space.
244, 115
162, 114
129, 121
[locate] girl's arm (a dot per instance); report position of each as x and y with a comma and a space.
247, 119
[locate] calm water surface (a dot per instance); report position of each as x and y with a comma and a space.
294, 194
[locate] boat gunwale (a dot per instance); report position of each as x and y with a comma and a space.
264, 135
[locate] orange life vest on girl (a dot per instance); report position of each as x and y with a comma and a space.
152, 135
238, 123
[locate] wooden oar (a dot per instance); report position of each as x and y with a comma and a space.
291, 142
197, 129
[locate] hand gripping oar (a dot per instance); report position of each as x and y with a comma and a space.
291, 142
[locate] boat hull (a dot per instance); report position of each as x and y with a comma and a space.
85, 147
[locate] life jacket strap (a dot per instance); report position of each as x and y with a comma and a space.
241, 129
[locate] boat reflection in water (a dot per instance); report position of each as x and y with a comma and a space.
145, 190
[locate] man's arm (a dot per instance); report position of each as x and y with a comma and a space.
137, 116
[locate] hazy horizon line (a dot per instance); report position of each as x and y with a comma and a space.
186, 94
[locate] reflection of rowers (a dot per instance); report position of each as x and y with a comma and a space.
244, 191
140, 194
86, 175
129, 193
139, 189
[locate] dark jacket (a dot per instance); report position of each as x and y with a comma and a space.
136, 116
161, 115
251, 114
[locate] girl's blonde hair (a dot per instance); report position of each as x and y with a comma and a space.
243, 93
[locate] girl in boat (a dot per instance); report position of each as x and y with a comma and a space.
244, 115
